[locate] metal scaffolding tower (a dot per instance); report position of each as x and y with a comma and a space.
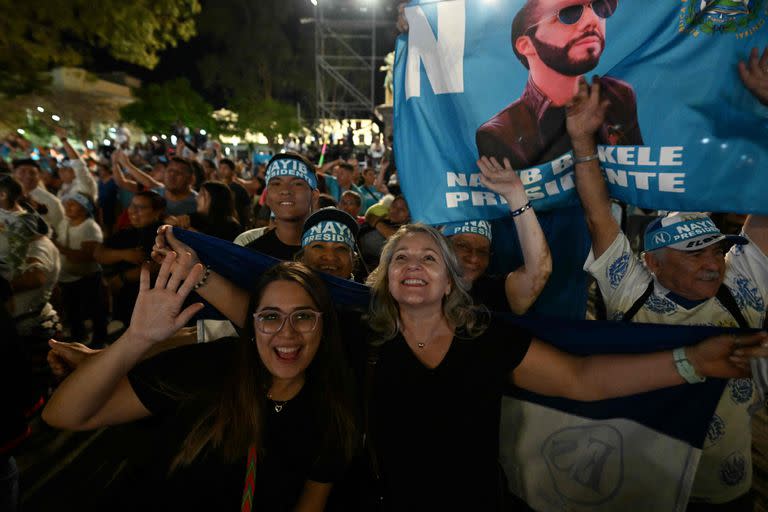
345, 59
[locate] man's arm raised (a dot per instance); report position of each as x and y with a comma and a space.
754, 74
585, 115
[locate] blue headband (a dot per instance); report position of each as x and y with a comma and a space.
478, 227
329, 231
291, 167
81, 200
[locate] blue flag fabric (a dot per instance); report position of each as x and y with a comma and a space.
243, 267
687, 134
559, 452
682, 132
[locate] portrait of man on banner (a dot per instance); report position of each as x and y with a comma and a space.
557, 41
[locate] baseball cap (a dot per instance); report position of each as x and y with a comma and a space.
685, 232
330, 225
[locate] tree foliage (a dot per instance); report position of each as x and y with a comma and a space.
36, 36
254, 49
159, 106
268, 116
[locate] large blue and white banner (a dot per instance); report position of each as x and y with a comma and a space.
490, 77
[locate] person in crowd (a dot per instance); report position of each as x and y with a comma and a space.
369, 190
18, 227
471, 242
18, 401
329, 243
80, 279
108, 198
35, 318
215, 215
351, 202
691, 274
75, 176
211, 171
436, 353
265, 420
290, 194
27, 172
227, 174
198, 174
123, 253
176, 187
326, 200
379, 225
341, 180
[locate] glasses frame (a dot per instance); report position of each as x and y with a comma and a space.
290, 317
583, 6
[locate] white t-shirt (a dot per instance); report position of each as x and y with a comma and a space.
211, 330
72, 237
46, 258
725, 469
84, 182
55, 209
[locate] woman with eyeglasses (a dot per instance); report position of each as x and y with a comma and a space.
263, 421
439, 365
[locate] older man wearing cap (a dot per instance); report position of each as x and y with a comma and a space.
689, 277
329, 241
291, 193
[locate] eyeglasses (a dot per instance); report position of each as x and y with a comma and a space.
271, 321
572, 14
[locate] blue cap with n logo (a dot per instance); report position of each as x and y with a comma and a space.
685, 232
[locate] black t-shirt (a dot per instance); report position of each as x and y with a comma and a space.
436, 431
270, 245
228, 229
131, 238
490, 291
183, 382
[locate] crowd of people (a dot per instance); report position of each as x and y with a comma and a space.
296, 403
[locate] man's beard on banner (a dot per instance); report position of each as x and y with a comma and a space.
556, 57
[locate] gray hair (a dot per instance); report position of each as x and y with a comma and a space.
468, 319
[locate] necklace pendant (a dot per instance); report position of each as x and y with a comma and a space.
420, 345
279, 407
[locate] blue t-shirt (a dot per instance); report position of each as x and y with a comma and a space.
186, 206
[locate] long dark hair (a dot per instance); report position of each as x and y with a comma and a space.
222, 205
236, 420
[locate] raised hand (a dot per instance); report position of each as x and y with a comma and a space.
585, 113
165, 243
158, 314
727, 356
754, 74
503, 180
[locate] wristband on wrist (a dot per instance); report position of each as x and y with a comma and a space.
519, 211
584, 159
685, 368
203, 280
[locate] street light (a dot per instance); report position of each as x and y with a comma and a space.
55, 118
40, 109
203, 132
20, 131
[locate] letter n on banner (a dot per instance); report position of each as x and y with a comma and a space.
443, 56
